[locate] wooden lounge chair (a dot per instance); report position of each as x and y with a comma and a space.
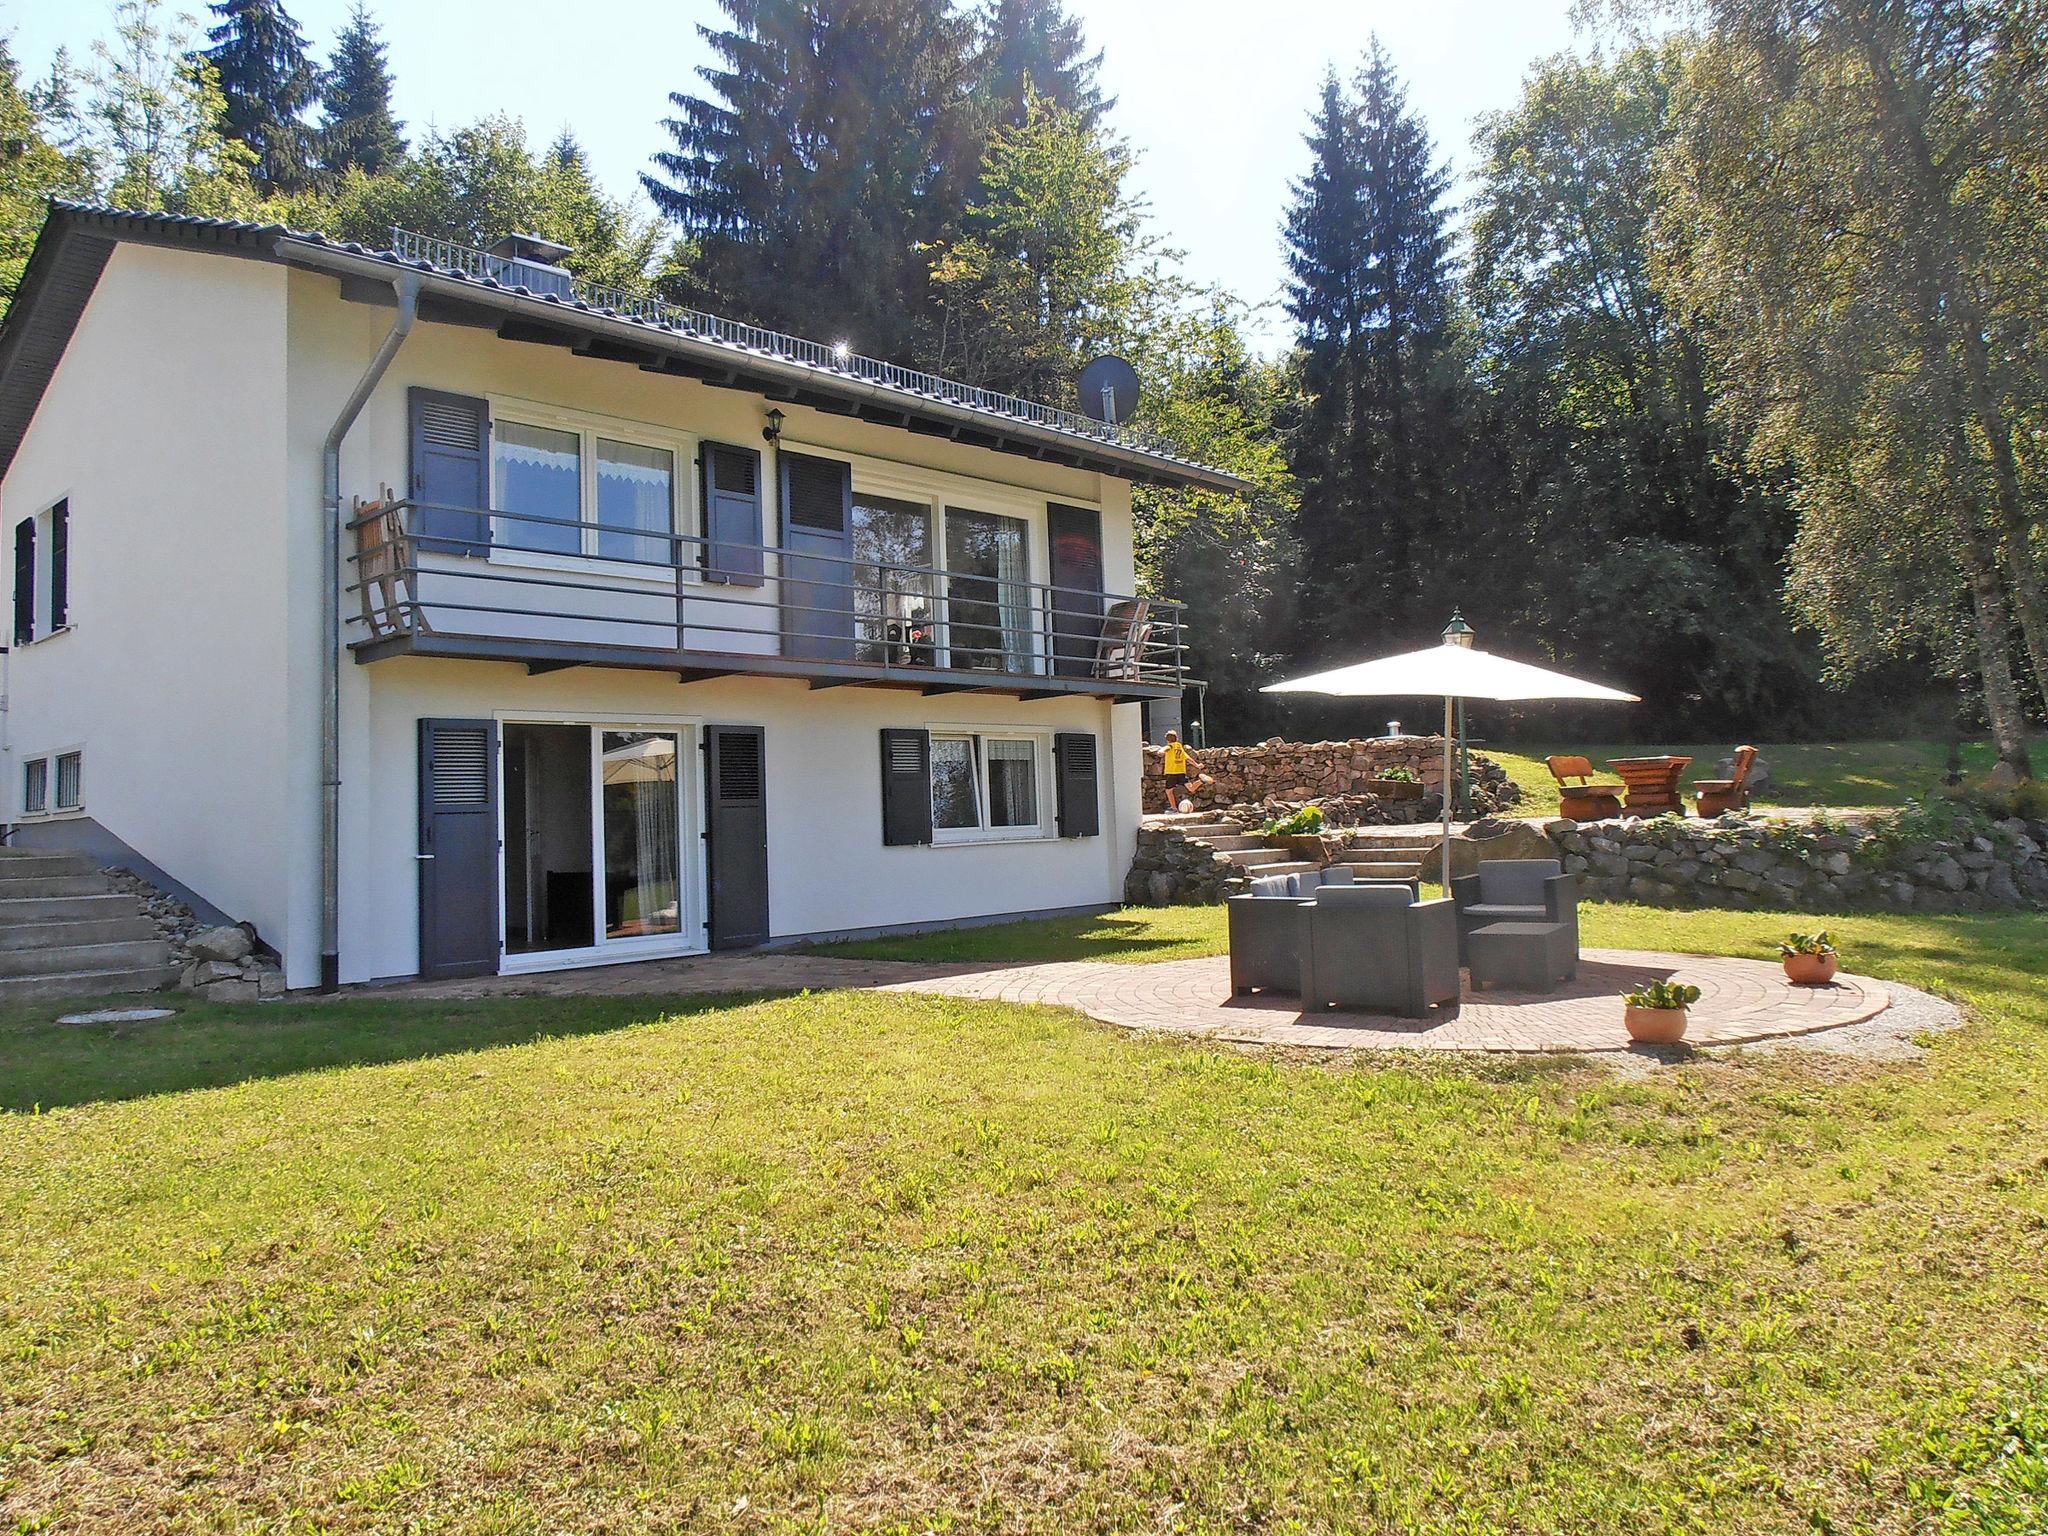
1126, 627
1716, 796
384, 568
1579, 797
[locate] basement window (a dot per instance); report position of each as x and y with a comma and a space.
35, 786
70, 780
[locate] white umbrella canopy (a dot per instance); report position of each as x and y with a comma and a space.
1452, 670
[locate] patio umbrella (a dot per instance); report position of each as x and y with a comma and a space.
1453, 670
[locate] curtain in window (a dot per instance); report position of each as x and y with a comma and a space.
642, 889
540, 475
1012, 783
987, 560
634, 496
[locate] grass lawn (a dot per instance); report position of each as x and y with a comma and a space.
1844, 774
850, 1262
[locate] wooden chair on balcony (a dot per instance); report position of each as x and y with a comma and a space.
1579, 797
1126, 629
1715, 797
384, 580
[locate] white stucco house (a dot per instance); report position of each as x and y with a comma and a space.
438, 616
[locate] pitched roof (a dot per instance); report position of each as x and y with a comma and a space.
457, 282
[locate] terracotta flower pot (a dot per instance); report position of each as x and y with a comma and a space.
1812, 970
1654, 1026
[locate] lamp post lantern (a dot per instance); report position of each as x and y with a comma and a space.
1458, 632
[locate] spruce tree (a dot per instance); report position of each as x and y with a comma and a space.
358, 130
1033, 47
1371, 293
267, 82
834, 144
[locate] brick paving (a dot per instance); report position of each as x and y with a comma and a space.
1741, 1001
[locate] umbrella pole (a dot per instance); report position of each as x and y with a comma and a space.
1447, 794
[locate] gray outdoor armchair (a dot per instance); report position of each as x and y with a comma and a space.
1516, 891
1376, 948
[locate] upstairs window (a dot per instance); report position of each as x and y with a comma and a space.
578, 492
42, 574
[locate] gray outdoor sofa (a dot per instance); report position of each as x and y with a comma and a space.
1331, 940
1376, 948
1515, 891
1265, 928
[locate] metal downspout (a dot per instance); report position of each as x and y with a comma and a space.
407, 287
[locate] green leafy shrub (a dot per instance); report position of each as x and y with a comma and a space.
1806, 944
1305, 822
1662, 994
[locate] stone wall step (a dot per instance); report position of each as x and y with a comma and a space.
1229, 842
110, 983
1384, 870
15, 887
61, 959
113, 929
1284, 867
21, 863
64, 909
1257, 858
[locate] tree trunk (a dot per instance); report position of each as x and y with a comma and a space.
2025, 576
1994, 648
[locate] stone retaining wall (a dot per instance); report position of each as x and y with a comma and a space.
1294, 772
1900, 862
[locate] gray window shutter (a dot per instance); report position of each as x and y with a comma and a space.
451, 471
24, 581
60, 565
906, 787
732, 514
1074, 768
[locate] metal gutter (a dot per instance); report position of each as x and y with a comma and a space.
406, 285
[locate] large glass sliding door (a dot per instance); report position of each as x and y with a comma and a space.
988, 604
594, 841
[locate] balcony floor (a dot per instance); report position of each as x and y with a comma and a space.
694, 666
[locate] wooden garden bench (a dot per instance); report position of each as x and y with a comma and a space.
1579, 796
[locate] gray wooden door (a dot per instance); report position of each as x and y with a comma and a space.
1077, 601
817, 572
458, 847
736, 835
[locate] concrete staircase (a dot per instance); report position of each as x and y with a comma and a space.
65, 931
1247, 850
1398, 857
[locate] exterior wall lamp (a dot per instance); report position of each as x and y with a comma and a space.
773, 431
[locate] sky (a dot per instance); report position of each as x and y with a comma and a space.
1213, 94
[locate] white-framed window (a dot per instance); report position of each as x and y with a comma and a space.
989, 785
42, 573
35, 786
70, 777
623, 487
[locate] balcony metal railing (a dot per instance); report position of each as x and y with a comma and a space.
559, 587
482, 266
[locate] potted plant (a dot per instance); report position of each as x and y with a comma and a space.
1397, 783
1810, 959
1654, 1013
1299, 833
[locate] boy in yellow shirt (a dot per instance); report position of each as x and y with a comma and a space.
1177, 764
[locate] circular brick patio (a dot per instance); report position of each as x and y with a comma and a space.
1740, 1001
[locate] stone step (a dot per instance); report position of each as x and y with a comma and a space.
64, 909
1284, 867
21, 863
61, 959
29, 989
1230, 842
1384, 870
17, 887
113, 929
1258, 858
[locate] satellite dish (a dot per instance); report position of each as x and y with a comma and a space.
1109, 390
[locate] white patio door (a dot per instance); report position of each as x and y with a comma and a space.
599, 843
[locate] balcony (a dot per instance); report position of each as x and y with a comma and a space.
680, 604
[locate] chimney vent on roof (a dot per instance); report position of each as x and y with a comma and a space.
529, 262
